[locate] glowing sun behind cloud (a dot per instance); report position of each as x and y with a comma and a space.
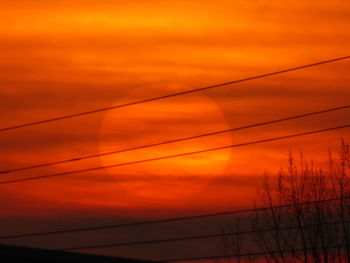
160, 121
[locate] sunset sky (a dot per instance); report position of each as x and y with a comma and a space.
72, 56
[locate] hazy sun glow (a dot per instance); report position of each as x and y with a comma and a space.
80, 55
166, 120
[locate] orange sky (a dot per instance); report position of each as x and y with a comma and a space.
73, 56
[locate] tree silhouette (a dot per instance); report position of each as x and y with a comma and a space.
298, 224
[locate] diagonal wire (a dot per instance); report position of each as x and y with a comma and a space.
23, 125
198, 237
40, 177
179, 139
166, 220
255, 254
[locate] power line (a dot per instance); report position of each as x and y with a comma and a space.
177, 140
147, 242
172, 156
256, 254
166, 220
23, 125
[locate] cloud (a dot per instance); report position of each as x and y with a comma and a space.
81, 55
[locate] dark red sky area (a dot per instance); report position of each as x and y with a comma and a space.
80, 55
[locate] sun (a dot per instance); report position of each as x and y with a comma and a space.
162, 121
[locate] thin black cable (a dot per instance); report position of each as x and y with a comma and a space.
178, 140
147, 242
256, 254
170, 95
166, 220
172, 156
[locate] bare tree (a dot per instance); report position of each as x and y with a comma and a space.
307, 213
233, 245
